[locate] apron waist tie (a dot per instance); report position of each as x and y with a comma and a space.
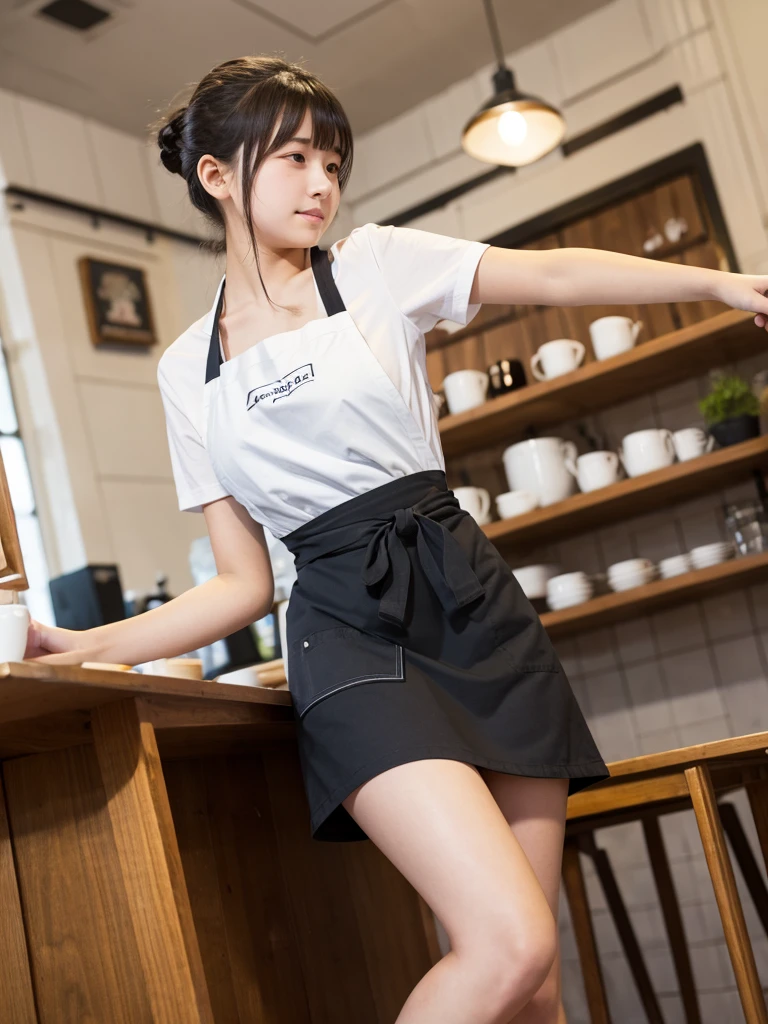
444, 562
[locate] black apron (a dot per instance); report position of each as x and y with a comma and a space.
409, 637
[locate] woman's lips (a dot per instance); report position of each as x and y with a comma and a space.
311, 217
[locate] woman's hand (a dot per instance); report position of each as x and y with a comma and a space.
57, 646
747, 292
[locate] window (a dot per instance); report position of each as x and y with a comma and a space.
38, 597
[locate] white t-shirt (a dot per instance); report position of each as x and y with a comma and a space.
396, 283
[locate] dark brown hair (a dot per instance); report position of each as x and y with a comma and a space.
239, 103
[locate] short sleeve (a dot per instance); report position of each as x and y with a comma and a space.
429, 276
196, 482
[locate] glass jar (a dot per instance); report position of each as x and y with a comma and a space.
747, 524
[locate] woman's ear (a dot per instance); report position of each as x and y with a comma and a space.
215, 176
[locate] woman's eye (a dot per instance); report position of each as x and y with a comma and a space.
301, 157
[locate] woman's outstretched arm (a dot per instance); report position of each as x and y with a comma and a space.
241, 593
584, 277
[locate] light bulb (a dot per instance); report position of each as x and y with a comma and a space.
512, 128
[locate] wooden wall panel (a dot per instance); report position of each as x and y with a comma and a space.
84, 956
17, 1000
225, 830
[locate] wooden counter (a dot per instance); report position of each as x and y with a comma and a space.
156, 864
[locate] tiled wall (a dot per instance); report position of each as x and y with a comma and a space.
684, 675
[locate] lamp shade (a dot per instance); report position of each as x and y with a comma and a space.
512, 128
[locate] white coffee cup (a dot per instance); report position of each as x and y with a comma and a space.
595, 470
533, 579
516, 503
538, 465
465, 389
646, 450
692, 442
476, 501
554, 358
612, 335
14, 627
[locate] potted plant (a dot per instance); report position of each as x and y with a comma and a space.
731, 410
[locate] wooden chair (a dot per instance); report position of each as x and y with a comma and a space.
643, 789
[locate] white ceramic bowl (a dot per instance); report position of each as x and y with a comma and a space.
571, 587
648, 570
628, 582
630, 565
516, 503
568, 579
676, 565
710, 554
533, 579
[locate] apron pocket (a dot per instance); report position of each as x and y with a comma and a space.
330, 660
531, 654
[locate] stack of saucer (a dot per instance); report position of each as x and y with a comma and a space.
676, 565
711, 554
634, 572
568, 589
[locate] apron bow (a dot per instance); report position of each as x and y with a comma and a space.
441, 556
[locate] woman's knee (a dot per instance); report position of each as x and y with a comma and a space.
517, 964
544, 1005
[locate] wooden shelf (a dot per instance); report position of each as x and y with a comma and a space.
627, 498
692, 586
722, 339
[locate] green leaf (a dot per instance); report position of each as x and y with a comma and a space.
729, 397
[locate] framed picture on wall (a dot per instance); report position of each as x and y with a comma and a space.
117, 303
12, 575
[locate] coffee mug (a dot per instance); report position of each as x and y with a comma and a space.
506, 375
465, 389
595, 470
476, 501
612, 335
14, 627
554, 358
646, 450
516, 503
692, 442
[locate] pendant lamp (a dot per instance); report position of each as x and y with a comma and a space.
512, 128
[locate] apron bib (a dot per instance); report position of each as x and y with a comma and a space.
306, 419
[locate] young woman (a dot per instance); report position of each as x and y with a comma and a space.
432, 714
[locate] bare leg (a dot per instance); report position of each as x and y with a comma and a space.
438, 823
535, 810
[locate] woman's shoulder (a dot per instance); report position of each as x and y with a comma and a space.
181, 367
184, 360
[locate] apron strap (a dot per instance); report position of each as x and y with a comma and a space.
329, 293
212, 366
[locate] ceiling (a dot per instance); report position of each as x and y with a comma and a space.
381, 57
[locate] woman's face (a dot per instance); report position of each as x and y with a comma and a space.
293, 179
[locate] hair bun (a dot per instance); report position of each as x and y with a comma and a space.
169, 140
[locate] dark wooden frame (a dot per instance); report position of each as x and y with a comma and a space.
9, 538
143, 337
